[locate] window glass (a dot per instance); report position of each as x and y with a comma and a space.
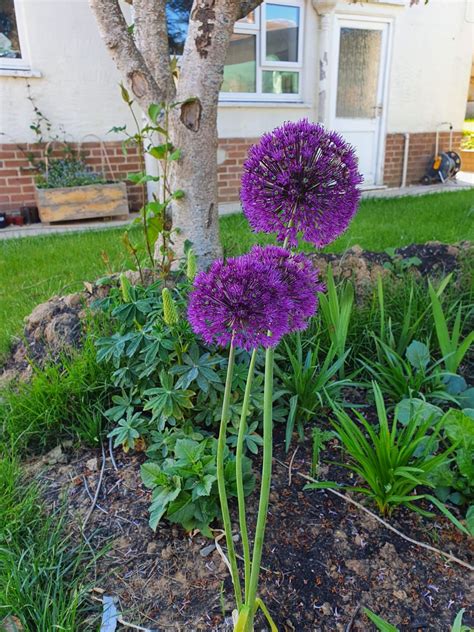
177, 16
241, 64
280, 82
358, 72
9, 40
282, 24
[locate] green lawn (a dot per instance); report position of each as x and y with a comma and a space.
33, 269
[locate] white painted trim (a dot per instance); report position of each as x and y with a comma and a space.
17, 72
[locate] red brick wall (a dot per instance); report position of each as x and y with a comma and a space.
17, 176
234, 151
420, 154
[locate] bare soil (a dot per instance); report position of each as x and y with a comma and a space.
324, 559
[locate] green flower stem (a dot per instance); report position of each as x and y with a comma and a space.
251, 599
239, 471
221, 444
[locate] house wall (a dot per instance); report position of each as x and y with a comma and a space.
78, 88
17, 187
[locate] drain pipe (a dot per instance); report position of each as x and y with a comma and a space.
405, 160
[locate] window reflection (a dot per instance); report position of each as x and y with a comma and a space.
282, 24
280, 82
241, 64
9, 40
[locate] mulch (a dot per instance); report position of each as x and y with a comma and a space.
324, 559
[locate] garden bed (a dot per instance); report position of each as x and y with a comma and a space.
325, 559
56, 324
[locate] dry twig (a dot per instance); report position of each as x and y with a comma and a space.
97, 491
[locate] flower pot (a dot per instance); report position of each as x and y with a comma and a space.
467, 160
85, 202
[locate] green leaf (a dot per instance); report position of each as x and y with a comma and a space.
417, 409
290, 423
418, 355
153, 112
445, 511
125, 94
381, 624
470, 520
151, 474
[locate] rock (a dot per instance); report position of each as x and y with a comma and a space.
92, 464
62, 331
388, 552
326, 609
42, 313
207, 550
400, 594
167, 553
360, 567
151, 547
56, 455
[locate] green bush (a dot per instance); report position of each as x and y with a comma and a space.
182, 475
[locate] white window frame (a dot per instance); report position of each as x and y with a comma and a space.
258, 29
23, 63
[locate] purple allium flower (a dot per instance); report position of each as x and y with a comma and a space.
242, 298
301, 177
301, 282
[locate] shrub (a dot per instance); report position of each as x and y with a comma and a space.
162, 374
183, 477
393, 460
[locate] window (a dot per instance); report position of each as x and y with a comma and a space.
12, 49
265, 56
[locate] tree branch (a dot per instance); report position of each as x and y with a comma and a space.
151, 36
128, 59
246, 6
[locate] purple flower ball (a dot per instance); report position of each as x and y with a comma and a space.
301, 280
241, 299
301, 178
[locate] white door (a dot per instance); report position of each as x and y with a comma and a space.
359, 89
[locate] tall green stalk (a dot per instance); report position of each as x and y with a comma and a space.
221, 444
239, 472
265, 486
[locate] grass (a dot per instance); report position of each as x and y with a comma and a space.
43, 574
65, 399
33, 269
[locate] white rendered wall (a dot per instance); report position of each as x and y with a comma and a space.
432, 52
78, 90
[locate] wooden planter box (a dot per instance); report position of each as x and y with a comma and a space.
467, 160
86, 202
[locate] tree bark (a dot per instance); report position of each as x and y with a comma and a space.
144, 62
194, 127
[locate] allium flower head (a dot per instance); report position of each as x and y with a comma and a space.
241, 299
300, 279
301, 177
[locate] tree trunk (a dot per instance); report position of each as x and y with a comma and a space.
194, 126
143, 60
